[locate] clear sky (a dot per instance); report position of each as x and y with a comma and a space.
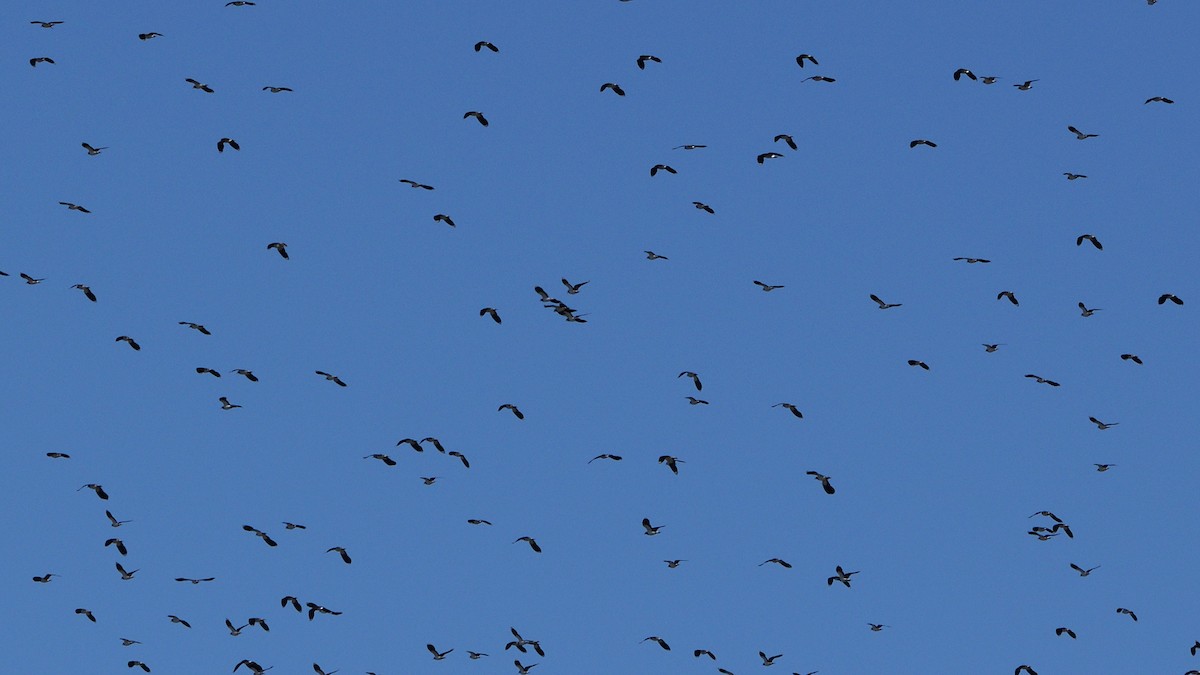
936, 471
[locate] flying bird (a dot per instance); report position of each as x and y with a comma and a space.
696, 401
824, 481
921, 141
768, 155
515, 410
767, 288
1042, 380
137, 664
382, 457
1080, 135
429, 480
118, 543
972, 261
332, 378
641, 60
490, 311
112, 520
33, 282
93, 151
126, 642
1073, 176
801, 59
818, 78
239, 3
45, 578
1083, 572
704, 652
615, 458
279, 246
87, 292
58, 455
98, 489
293, 526
532, 543
40, 59
275, 90
125, 576
884, 305
876, 627
663, 167
790, 407
196, 327
437, 656
703, 207
246, 373
202, 370
786, 139
415, 185
1159, 99
436, 443
477, 115
461, 457
988, 79
175, 619
921, 364
484, 43
671, 463
1102, 425
842, 576
616, 88
1025, 86
695, 378
689, 147
443, 218
782, 563
226, 405
1088, 237
651, 530
651, 255
315, 609
1132, 357
991, 348
46, 24
672, 564
963, 71
342, 552
227, 141
253, 666
260, 534
1026, 669
195, 582
661, 642
74, 207
1084, 311
148, 36
86, 612
1161, 299
132, 343
1103, 467
199, 85
1122, 610
768, 660
1008, 294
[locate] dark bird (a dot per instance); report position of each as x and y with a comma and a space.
279, 246
148, 36
201, 370
768, 155
696, 401
436, 443
74, 207
1103, 467
521, 669
824, 481
1132, 357
429, 480
884, 305
253, 666
382, 457
1102, 425
233, 631
40, 59
1080, 135
321, 671
641, 60
963, 71
138, 664
786, 139
275, 90
1161, 299
800, 60
342, 552
768, 660
1008, 294
655, 169
461, 457
661, 642
573, 289
614, 86
415, 185
93, 151
46, 24
651, 255
704, 652
695, 378
477, 115
483, 43
1195, 648
411, 442
315, 609
1027, 669
1025, 86
112, 520
58, 455
132, 343
87, 292
226, 405
260, 534
293, 526
86, 612
532, 543
227, 141
615, 458
1073, 176
199, 85
195, 582
98, 489
671, 463
788, 406
819, 78
1064, 629
672, 564
239, 3
1084, 311
32, 282
782, 563
443, 218
1065, 528
175, 619
921, 141
1122, 610
515, 410
689, 147
703, 207
475, 655
922, 364
972, 261
290, 599
1047, 514
491, 311
876, 627
332, 378
1095, 242
119, 544
195, 326
651, 530
767, 288
125, 576
842, 576
45, 578
1158, 99
1042, 380
1083, 572
248, 374
437, 656
126, 642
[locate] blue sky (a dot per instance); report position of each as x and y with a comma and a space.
936, 471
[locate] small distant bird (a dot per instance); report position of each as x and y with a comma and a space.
148, 36
790, 407
46, 24
651, 530
532, 543
126, 642
285, 600
475, 655
1084, 311
226, 405
255, 669
703, 207
45, 578
696, 401
138, 664
412, 442
1046, 514
521, 669
233, 630
768, 155
573, 289
86, 612
663, 167
616, 88
921, 141
477, 115
248, 374
461, 457
704, 652
239, 3
988, 79
786, 139
125, 576
293, 526
819, 78
1103, 467
689, 147
1042, 380
661, 642
279, 246
415, 185
341, 551
261, 535
515, 410
437, 656
32, 282
87, 292
478, 521
1132, 357
1080, 135
276, 90
767, 288
972, 261
202, 370
876, 627
1083, 572
132, 343
672, 564
1158, 99
58, 455
991, 348
332, 378
671, 463
1102, 425
443, 218
1195, 648
921, 364
800, 60
98, 489
195, 326
112, 520
824, 481
227, 141
695, 378
118, 543
199, 85
1025, 86
40, 59
436, 443
93, 151
315, 609
175, 619
842, 576
429, 480
195, 582
1073, 176
74, 207
963, 71
484, 43
641, 60
778, 561
768, 660
615, 458
1027, 669
490, 311
1008, 294
1161, 299
1122, 610
884, 305
651, 255
381, 457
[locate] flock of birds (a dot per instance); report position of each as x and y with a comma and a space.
520, 647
